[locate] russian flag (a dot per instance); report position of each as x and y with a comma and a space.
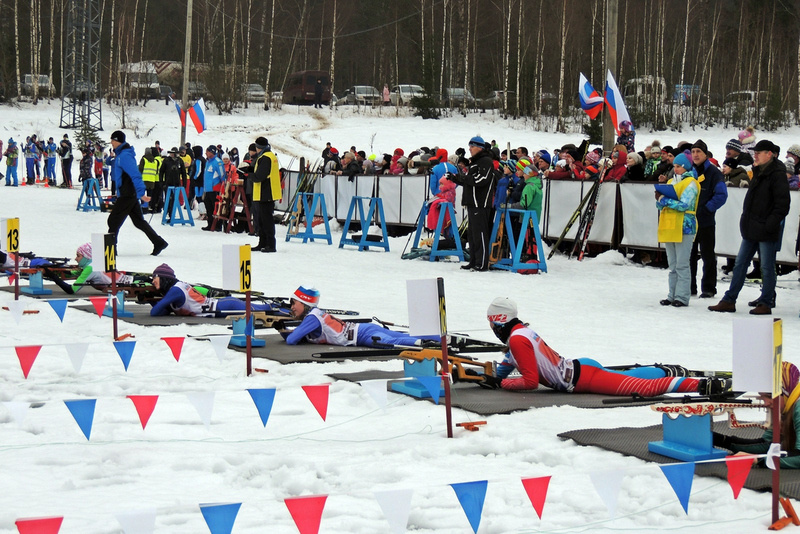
591, 101
181, 113
198, 114
615, 102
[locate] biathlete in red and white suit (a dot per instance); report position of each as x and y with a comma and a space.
320, 327
539, 364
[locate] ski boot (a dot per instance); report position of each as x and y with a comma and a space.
673, 370
714, 386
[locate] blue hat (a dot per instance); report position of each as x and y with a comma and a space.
683, 161
477, 141
545, 155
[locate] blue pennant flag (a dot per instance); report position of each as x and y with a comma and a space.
59, 306
433, 384
125, 351
220, 517
249, 329
680, 477
471, 496
83, 413
263, 399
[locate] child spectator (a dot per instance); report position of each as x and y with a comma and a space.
735, 176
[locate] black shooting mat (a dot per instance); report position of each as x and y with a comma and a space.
633, 442
57, 292
142, 317
278, 350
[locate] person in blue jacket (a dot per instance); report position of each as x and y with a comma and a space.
51, 150
322, 328
213, 178
130, 189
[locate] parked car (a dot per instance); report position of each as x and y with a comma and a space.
455, 97
360, 95
401, 95
46, 87
253, 92
495, 99
197, 90
82, 90
300, 87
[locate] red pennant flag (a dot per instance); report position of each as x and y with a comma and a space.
11, 278
307, 512
27, 355
175, 344
42, 525
144, 404
536, 488
318, 395
738, 469
99, 304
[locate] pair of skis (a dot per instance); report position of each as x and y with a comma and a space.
586, 217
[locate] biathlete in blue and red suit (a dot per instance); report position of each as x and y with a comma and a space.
541, 365
181, 298
322, 328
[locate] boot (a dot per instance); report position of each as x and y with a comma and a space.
714, 386
673, 370
761, 309
724, 306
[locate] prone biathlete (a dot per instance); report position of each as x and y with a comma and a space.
540, 365
322, 328
7, 261
85, 275
182, 298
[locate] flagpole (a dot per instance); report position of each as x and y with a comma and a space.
186, 66
612, 11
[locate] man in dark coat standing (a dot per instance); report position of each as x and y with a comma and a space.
765, 207
266, 180
479, 184
319, 90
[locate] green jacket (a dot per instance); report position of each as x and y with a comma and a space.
531, 196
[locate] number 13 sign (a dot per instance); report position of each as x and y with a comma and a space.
11, 233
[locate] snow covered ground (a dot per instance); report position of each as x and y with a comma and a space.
605, 307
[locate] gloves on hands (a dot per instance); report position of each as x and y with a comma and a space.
490, 382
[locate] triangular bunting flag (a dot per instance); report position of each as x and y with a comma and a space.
99, 304
41, 525
59, 306
607, 484
680, 478
377, 390
137, 521
220, 517
11, 279
83, 412
18, 410
773, 453
433, 384
263, 399
249, 328
175, 344
471, 496
125, 351
203, 402
220, 344
318, 395
16, 307
76, 353
536, 488
144, 404
27, 355
738, 469
306, 512
396, 506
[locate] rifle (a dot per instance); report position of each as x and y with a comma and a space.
574, 217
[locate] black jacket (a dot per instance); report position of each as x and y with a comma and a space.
172, 172
766, 203
713, 193
479, 182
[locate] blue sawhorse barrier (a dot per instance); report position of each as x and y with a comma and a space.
375, 204
35, 285
176, 215
109, 311
302, 208
239, 337
445, 208
516, 244
415, 388
90, 198
687, 438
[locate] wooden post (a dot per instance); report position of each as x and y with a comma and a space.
612, 9
445, 364
247, 318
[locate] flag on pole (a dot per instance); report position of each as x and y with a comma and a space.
198, 114
615, 102
181, 112
591, 101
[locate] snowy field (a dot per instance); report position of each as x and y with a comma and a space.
605, 307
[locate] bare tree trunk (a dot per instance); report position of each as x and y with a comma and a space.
683, 57
16, 46
444, 42
52, 41
321, 37
797, 115
507, 50
234, 49
537, 84
467, 78
562, 68
422, 34
248, 40
520, 21
113, 75
333, 45
64, 37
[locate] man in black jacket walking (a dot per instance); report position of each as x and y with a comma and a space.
765, 207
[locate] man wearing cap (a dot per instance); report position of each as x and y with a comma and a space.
213, 180
479, 185
540, 365
130, 190
172, 174
766, 204
322, 328
713, 195
65, 151
266, 179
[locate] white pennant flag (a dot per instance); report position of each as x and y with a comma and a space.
137, 521
203, 402
16, 307
773, 453
396, 505
220, 344
18, 410
607, 485
76, 353
376, 390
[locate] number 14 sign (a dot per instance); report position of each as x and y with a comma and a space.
236, 268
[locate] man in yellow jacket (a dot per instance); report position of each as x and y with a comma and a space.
266, 191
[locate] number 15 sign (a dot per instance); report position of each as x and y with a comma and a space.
236, 268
